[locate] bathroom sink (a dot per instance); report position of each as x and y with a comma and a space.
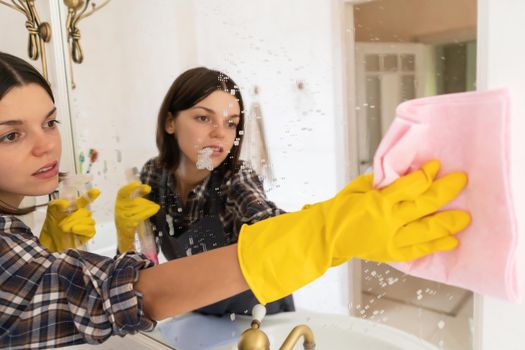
334, 332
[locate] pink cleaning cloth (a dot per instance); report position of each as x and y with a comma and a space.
466, 132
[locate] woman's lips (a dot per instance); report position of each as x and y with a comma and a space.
47, 171
216, 150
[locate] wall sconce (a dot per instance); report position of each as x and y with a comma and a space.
39, 32
77, 10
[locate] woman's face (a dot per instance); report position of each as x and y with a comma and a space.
209, 126
30, 144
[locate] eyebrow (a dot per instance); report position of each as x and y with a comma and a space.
205, 108
19, 122
212, 111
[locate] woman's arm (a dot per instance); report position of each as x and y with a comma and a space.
90, 296
182, 285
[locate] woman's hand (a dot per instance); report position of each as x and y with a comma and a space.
130, 210
63, 229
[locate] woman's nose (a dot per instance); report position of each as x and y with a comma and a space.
43, 144
217, 130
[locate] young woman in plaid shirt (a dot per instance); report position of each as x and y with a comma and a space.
53, 299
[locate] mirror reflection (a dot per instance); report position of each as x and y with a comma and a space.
283, 66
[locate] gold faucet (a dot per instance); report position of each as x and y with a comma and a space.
295, 334
255, 339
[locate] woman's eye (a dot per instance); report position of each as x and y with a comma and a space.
9, 138
53, 123
231, 124
202, 118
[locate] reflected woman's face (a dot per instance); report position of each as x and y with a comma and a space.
210, 125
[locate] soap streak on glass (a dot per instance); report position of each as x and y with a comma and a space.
204, 160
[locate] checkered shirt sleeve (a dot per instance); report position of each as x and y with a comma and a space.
246, 201
51, 300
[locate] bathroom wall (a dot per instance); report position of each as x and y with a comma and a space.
13, 39
501, 64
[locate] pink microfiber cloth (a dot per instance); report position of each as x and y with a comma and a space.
466, 132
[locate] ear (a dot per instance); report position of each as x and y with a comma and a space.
169, 126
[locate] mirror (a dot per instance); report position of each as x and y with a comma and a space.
289, 59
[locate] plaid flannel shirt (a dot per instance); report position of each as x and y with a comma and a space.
51, 300
243, 200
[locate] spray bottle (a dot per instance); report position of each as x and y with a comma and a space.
70, 188
144, 237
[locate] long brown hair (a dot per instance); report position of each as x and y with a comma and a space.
15, 72
188, 89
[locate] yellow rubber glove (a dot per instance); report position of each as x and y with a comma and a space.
130, 210
63, 230
407, 203
397, 223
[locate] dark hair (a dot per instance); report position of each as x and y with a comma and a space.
15, 72
188, 89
